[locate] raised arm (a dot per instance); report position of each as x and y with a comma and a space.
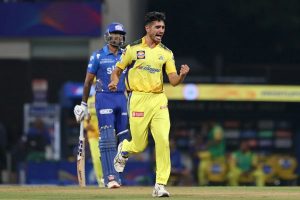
176, 79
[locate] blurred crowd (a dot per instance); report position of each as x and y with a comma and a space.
207, 162
198, 157
32, 146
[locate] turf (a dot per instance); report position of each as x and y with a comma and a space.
133, 193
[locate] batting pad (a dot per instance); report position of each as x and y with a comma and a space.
108, 149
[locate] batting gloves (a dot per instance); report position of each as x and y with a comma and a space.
81, 111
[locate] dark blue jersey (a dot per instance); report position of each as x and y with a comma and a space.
111, 107
102, 63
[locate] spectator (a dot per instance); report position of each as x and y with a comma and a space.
214, 150
243, 167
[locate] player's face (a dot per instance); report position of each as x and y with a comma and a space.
116, 39
156, 30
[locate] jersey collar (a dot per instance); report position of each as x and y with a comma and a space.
144, 42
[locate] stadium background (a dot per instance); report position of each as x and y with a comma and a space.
232, 42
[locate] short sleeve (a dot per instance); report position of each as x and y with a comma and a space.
126, 58
170, 64
93, 64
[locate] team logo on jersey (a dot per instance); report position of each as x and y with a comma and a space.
160, 57
137, 114
140, 55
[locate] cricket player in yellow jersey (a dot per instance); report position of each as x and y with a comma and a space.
145, 60
91, 127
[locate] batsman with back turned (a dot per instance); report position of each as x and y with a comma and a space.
145, 60
111, 107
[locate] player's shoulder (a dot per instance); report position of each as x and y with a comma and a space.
165, 47
135, 43
97, 53
132, 45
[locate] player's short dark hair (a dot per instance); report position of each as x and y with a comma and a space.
154, 16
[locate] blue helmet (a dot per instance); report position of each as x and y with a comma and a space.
115, 28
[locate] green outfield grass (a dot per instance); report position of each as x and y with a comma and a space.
133, 193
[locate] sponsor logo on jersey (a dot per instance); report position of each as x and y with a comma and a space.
105, 111
109, 70
140, 55
149, 69
137, 114
106, 60
124, 113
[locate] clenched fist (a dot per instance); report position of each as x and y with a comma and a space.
184, 70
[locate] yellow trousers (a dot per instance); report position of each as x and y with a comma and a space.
150, 111
95, 153
234, 177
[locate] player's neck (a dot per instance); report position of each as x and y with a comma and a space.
151, 43
113, 49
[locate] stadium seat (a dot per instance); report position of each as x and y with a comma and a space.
286, 166
268, 165
216, 172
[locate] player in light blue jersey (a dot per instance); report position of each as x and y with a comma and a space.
111, 107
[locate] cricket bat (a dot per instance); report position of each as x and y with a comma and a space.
81, 158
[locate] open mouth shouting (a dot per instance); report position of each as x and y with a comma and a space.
158, 37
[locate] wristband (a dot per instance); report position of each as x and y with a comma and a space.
83, 103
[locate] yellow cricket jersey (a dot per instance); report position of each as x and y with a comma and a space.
93, 121
145, 66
